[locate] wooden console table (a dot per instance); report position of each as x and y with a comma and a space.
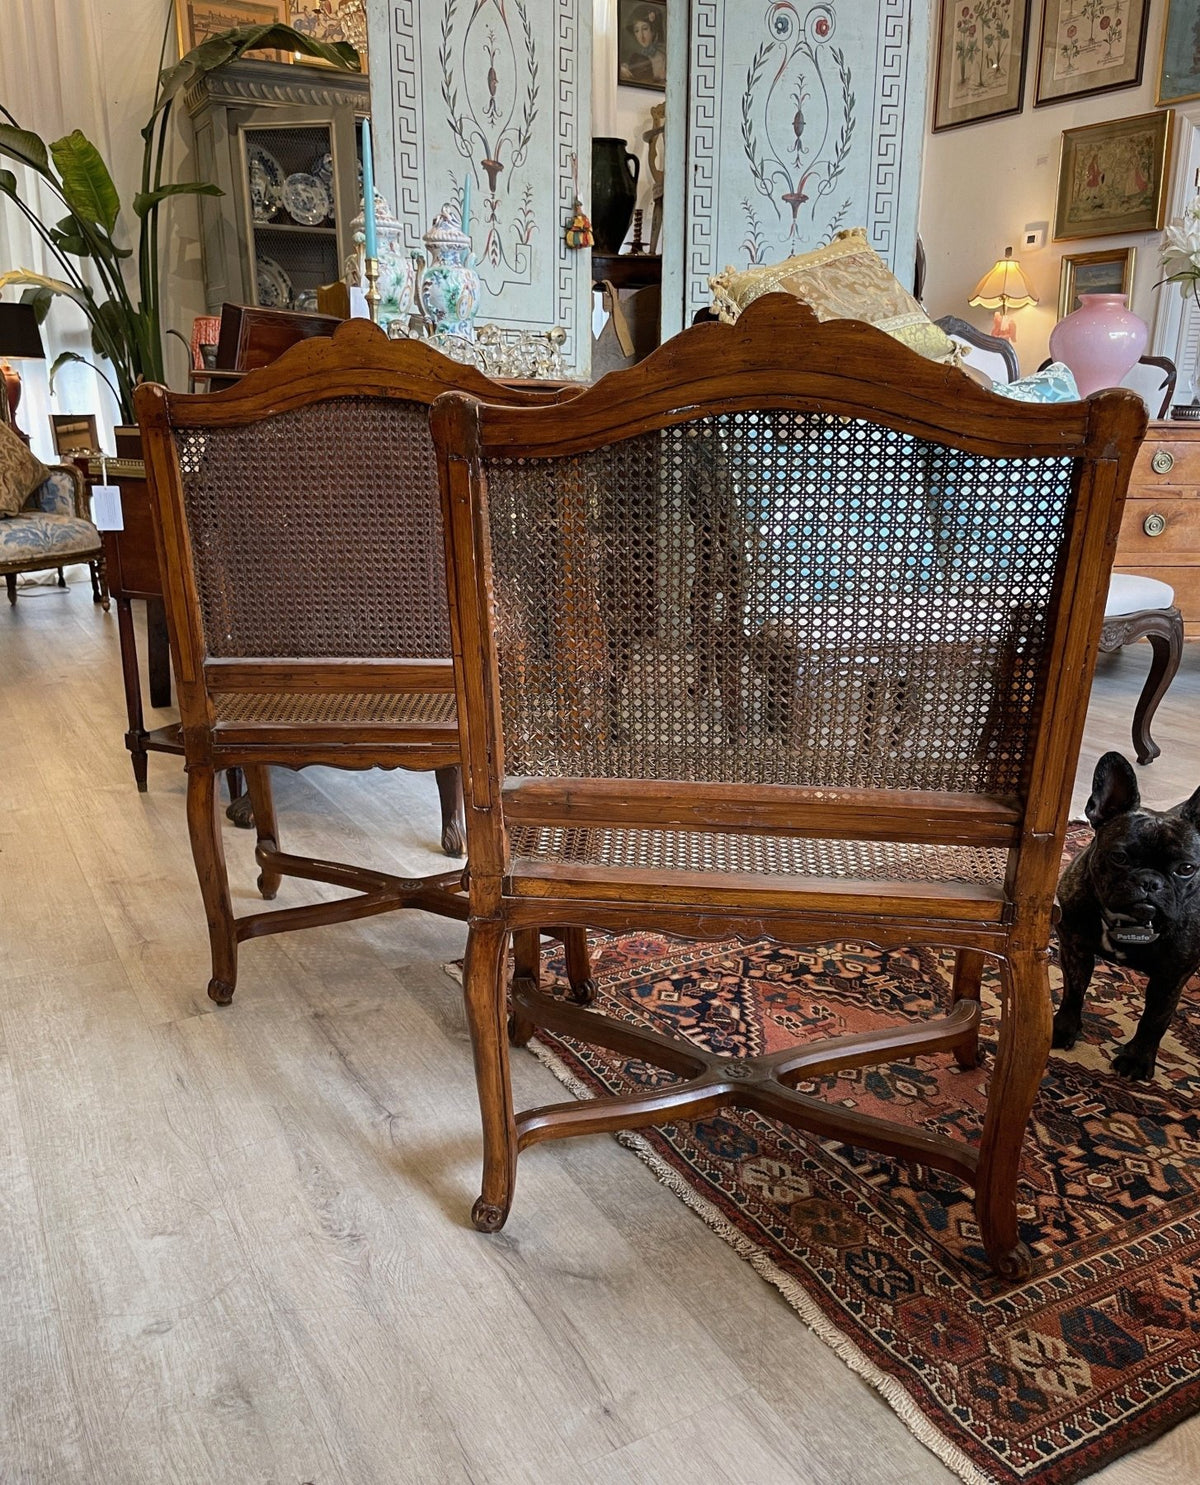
131, 560
1160, 533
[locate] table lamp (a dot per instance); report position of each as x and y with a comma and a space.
20, 339
1003, 288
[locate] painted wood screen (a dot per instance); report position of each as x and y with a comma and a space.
801, 119
497, 92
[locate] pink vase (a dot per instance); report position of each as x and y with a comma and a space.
1100, 341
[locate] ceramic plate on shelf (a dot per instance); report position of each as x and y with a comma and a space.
322, 168
266, 182
274, 288
306, 301
305, 199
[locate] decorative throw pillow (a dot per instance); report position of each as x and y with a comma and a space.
21, 472
1056, 383
847, 280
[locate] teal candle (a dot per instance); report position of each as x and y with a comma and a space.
371, 243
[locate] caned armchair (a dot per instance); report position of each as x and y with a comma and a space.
299, 531
785, 632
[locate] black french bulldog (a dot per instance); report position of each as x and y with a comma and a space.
1132, 897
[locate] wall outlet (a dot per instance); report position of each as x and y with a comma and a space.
1034, 236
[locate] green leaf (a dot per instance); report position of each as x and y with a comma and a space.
64, 357
86, 183
145, 200
8, 183
228, 45
111, 318
39, 280
20, 144
68, 237
41, 299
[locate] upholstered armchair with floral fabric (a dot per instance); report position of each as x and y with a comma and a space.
50, 530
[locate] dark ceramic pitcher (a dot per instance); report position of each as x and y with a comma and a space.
614, 192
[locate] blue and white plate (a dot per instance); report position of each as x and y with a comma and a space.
266, 182
305, 199
273, 286
322, 168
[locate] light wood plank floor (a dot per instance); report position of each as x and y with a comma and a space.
235, 1243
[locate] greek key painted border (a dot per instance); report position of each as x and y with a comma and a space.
887, 131
703, 164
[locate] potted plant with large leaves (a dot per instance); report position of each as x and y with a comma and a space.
123, 306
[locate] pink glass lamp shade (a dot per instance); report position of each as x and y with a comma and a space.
1003, 288
1100, 341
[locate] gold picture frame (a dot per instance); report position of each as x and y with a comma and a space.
1112, 177
330, 20
1108, 271
196, 20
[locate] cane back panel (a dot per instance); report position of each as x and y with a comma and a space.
317, 532
776, 597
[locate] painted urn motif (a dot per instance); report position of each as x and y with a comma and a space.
396, 272
447, 289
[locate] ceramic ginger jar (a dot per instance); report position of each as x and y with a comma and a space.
447, 288
396, 274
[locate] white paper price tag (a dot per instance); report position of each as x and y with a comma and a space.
106, 508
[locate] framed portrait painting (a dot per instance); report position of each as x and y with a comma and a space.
1089, 48
1111, 177
1109, 271
1179, 65
981, 49
642, 44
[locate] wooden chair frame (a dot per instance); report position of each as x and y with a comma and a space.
357, 361
959, 329
777, 356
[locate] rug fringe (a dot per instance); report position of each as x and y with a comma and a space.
810, 1313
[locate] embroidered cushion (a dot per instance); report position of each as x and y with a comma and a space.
847, 280
55, 495
1055, 384
21, 472
33, 535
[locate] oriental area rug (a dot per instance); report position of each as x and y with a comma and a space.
1097, 1353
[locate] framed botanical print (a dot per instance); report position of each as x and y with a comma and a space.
1110, 271
1179, 65
981, 49
1111, 177
1091, 47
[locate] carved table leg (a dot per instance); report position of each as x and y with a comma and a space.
1166, 644
135, 736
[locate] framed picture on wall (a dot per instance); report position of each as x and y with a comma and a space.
1111, 177
197, 20
1179, 65
1090, 48
642, 44
1109, 271
981, 49
331, 20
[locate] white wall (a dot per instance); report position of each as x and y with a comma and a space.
982, 183
68, 65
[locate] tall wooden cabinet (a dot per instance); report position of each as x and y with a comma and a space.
263, 131
1160, 532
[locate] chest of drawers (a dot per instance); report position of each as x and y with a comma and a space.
1160, 533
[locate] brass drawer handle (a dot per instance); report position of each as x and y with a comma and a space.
1163, 461
1154, 524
